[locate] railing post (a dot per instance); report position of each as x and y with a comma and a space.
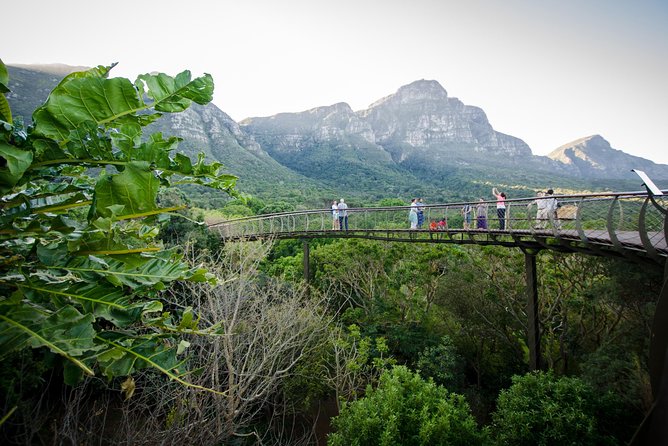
533, 328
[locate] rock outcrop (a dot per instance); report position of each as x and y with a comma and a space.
420, 119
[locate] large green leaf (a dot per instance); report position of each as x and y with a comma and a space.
5, 110
101, 300
66, 332
86, 143
4, 78
126, 355
94, 298
156, 151
14, 162
92, 97
136, 189
78, 100
174, 94
151, 271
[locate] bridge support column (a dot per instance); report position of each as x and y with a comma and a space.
533, 329
307, 269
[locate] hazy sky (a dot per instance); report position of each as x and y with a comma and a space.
545, 71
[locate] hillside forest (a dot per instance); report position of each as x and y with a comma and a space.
124, 320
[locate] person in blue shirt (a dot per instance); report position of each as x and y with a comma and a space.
420, 213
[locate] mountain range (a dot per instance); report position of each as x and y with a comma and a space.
417, 141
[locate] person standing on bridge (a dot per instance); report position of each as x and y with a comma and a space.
500, 207
466, 213
413, 214
343, 215
551, 207
541, 210
481, 214
335, 216
420, 213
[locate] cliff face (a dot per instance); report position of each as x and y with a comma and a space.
421, 120
332, 144
419, 125
593, 156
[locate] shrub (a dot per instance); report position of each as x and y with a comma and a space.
541, 409
406, 410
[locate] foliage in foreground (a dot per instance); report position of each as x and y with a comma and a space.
406, 410
541, 409
80, 264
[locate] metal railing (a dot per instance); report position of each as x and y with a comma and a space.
624, 223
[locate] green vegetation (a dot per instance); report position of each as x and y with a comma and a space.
81, 266
541, 409
406, 410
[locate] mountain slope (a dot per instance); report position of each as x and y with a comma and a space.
593, 156
209, 130
331, 144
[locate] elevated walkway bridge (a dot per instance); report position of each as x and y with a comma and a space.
622, 224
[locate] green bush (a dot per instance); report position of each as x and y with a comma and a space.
406, 410
541, 409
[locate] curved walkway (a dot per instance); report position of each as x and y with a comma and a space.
616, 224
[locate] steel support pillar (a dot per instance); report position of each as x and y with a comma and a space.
653, 430
533, 329
307, 269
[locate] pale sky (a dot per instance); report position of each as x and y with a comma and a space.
545, 71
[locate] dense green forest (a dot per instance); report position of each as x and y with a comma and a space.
123, 320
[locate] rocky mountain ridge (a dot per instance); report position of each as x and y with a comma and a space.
592, 156
415, 138
420, 115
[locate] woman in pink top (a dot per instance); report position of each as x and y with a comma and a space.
500, 207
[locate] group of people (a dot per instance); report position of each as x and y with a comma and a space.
340, 215
546, 206
545, 203
416, 213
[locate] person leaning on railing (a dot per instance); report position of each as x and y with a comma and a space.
466, 213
